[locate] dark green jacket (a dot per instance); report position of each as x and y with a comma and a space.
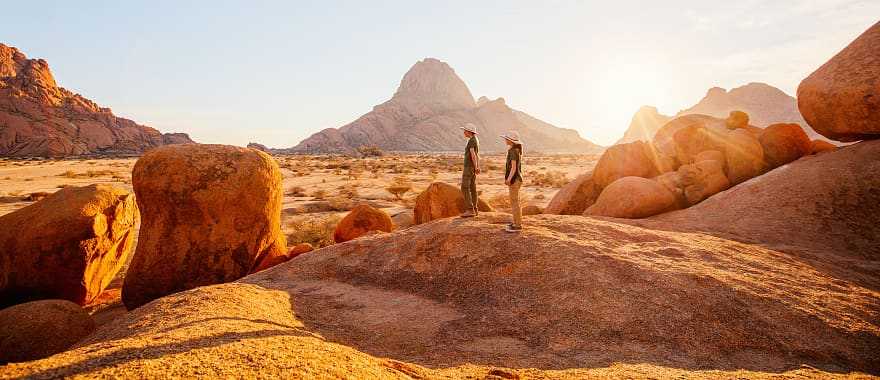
514, 154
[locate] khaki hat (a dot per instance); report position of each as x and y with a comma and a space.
512, 136
470, 128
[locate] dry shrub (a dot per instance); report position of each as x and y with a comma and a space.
348, 191
296, 191
317, 232
370, 151
555, 179
319, 194
502, 200
399, 187
341, 204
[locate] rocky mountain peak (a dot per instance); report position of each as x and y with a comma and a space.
434, 83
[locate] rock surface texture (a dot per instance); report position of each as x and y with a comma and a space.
210, 213
38, 118
569, 297
425, 114
35, 330
69, 245
841, 99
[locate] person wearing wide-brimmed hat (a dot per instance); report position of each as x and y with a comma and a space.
470, 170
513, 177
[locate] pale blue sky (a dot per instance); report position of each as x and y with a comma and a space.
276, 71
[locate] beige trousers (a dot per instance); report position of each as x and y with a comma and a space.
514, 202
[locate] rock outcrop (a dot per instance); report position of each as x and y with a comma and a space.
35, 330
569, 297
38, 118
361, 220
824, 205
637, 158
841, 99
274, 259
425, 113
633, 197
644, 125
441, 200
575, 197
69, 245
210, 213
762, 105
784, 143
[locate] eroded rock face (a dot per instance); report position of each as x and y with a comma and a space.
210, 214
702, 179
35, 330
744, 156
637, 158
784, 143
633, 197
574, 197
361, 220
275, 259
821, 146
841, 99
38, 118
69, 245
441, 200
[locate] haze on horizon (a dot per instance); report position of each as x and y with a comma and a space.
276, 72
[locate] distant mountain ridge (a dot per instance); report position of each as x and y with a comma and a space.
38, 118
765, 105
424, 115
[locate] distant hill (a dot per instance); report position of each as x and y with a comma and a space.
38, 118
425, 113
765, 105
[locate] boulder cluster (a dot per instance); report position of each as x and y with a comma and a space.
689, 159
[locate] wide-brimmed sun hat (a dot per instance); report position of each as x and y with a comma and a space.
512, 136
470, 128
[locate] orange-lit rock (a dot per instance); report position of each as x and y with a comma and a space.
841, 99
69, 245
441, 200
821, 146
275, 259
210, 213
744, 156
361, 220
637, 159
633, 197
574, 197
35, 330
784, 143
702, 179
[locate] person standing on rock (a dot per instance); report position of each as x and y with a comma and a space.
513, 177
470, 171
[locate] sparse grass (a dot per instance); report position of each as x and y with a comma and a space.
317, 232
399, 187
296, 191
554, 179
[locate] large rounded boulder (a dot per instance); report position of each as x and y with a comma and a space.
38, 329
442, 200
633, 197
841, 99
784, 143
637, 158
744, 156
210, 214
361, 220
69, 245
664, 140
575, 196
702, 179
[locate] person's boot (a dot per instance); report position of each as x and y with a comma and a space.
467, 214
513, 228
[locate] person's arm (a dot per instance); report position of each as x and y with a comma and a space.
476, 158
509, 180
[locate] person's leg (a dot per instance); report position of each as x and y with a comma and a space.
514, 203
475, 199
466, 186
